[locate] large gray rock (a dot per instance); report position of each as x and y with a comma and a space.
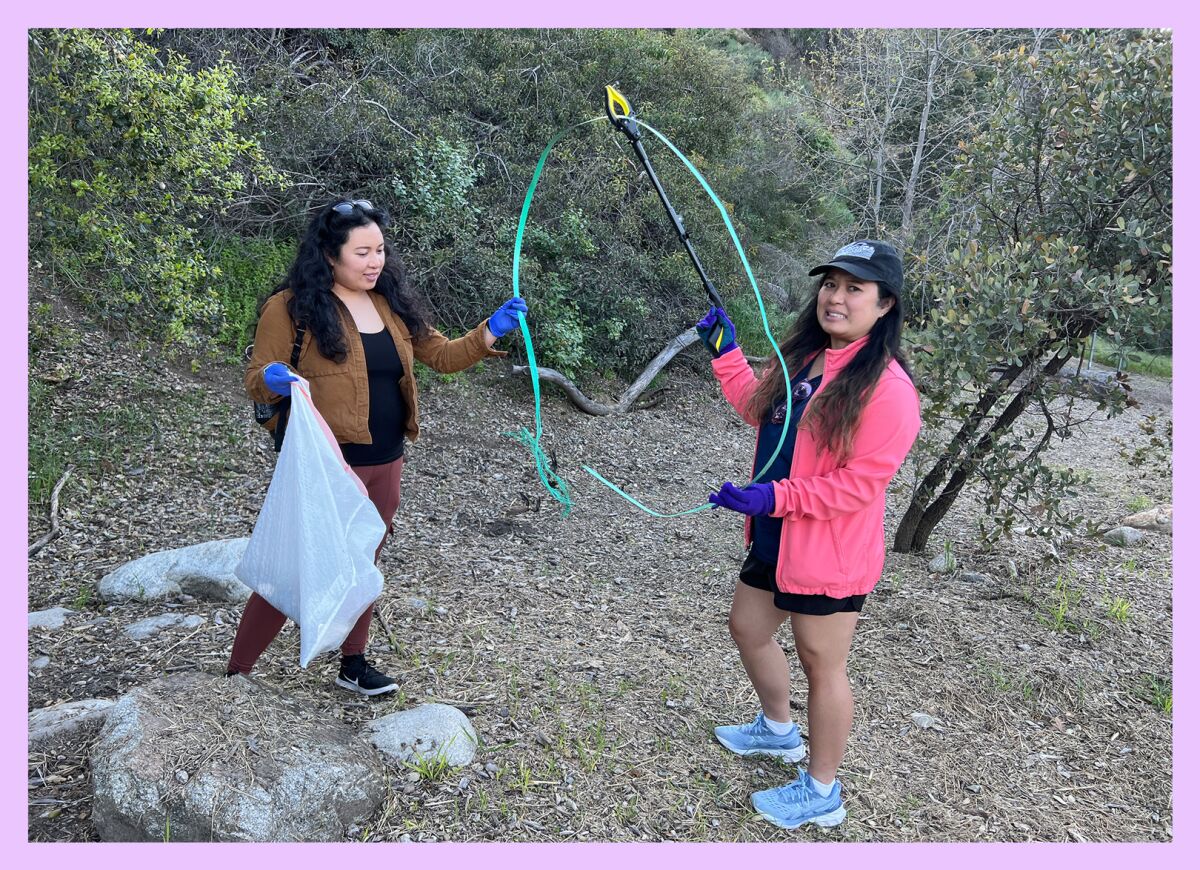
227, 759
1123, 536
202, 570
70, 718
429, 731
152, 625
52, 618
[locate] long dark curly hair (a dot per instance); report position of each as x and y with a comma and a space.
310, 277
834, 414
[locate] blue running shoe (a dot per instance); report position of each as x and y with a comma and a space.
798, 803
757, 739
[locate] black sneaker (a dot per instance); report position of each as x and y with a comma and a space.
357, 675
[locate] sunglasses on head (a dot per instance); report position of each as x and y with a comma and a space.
346, 207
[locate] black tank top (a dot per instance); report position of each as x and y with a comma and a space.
388, 412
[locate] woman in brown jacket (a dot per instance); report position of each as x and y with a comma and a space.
362, 329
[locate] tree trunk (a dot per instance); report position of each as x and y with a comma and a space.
923, 515
910, 189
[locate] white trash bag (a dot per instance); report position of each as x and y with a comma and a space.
312, 553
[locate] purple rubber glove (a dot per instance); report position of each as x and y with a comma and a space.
279, 379
756, 500
717, 332
505, 320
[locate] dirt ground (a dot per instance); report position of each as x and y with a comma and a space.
591, 650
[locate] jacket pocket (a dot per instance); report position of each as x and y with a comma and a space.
836, 536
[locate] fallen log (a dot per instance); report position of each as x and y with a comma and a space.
630, 396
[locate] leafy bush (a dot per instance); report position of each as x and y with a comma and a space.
245, 270
132, 153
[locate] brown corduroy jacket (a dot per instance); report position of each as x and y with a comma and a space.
339, 390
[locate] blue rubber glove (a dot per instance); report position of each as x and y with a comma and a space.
756, 500
717, 332
279, 379
505, 319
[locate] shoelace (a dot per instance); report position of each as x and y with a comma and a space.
796, 792
760, 728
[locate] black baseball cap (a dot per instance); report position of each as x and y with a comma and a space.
870, 260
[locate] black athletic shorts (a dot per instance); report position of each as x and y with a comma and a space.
761, 575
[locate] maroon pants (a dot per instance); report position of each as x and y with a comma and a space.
261, 622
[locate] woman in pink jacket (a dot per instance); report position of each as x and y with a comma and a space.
814, 521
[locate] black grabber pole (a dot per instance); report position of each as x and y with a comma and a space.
619, 112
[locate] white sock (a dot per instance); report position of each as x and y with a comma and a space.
822, 788
779, 728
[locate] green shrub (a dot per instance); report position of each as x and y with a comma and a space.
245, 271
132, 153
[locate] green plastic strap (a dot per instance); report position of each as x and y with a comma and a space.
532, 441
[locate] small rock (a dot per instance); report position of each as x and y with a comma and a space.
418, 604
152, 625
942, 563
430, 730
972, 577
974, 789
40, 662
181, 776
924, 721
1123, 536
52, 618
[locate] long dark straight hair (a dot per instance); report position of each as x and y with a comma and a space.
834, 414
310, 278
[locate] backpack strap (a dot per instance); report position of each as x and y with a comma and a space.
286, 401
296, 346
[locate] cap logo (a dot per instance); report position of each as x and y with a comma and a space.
857, 249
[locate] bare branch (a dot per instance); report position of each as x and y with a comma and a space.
55, 531
600, 409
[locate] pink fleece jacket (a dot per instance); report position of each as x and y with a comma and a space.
832, 540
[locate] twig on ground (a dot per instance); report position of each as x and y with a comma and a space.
55, 531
